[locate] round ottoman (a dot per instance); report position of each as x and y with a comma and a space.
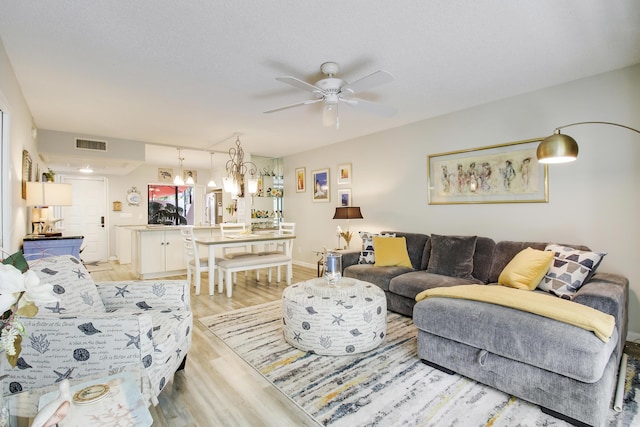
344, 319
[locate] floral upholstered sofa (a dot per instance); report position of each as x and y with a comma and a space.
100, 329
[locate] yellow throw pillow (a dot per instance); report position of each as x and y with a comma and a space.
526, 269
391, 251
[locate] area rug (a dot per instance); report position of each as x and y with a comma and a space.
387, 386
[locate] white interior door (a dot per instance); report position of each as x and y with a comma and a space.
87, 216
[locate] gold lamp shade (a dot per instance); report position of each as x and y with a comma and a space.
557, 148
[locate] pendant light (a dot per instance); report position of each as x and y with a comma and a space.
177, 179
211, 183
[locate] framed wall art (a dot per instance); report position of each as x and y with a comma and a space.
301, 184
190, 173
321, 188
165, 175
27, 167
344, 197
344, 173
504, 173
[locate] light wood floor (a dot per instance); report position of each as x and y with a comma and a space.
217, 388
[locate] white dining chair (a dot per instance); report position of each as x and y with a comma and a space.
231, 229
284, 228
196, 265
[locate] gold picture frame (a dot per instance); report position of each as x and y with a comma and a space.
503, 173
27, 168
301, 180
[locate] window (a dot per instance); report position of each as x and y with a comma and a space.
170, 205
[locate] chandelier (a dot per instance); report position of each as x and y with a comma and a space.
237, 169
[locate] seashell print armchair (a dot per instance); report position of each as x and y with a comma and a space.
101, 329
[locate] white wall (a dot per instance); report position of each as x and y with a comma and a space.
593, 201
20, 138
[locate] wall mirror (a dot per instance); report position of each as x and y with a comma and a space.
170, 204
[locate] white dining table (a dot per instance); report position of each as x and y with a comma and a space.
238, 240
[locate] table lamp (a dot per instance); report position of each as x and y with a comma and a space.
41, 195
346, 212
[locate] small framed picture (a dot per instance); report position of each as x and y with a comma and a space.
301, 183
165, 175
344, 197
321, 189
344, 173
190, 173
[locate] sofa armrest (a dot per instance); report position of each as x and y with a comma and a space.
608, 293
349, 257
78, 346
137, 294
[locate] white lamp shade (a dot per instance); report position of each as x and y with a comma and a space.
48, 194
253, 185
230, 185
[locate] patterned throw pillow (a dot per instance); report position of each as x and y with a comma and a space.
71, 283
367, 254
571, 268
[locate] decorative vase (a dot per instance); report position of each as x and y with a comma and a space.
332, 268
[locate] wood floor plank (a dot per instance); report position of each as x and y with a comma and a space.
217, 387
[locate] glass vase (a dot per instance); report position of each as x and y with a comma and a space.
332, 268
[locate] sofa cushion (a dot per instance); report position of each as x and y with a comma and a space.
391, 251
72, 285
367, 254
416, 243
526, 269
379, 276
517, 335
411, 284
570, 269
452, 255
481, 258
507, 249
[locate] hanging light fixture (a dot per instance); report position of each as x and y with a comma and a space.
177, 179
561, 148
211, 183
237, 169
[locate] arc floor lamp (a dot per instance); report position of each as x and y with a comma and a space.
560, 148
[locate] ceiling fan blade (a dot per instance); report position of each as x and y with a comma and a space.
297, 104
367, 82
293, 81
372, 107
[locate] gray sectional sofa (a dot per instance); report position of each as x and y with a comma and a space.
566, 370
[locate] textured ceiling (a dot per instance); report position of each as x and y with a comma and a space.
195, 73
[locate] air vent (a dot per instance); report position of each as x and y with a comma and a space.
91, 144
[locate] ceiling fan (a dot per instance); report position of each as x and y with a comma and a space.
332, 91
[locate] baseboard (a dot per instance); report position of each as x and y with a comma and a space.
633, 337
306, 264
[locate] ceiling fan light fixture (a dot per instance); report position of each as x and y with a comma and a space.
330, 115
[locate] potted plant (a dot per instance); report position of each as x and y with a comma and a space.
48, 175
